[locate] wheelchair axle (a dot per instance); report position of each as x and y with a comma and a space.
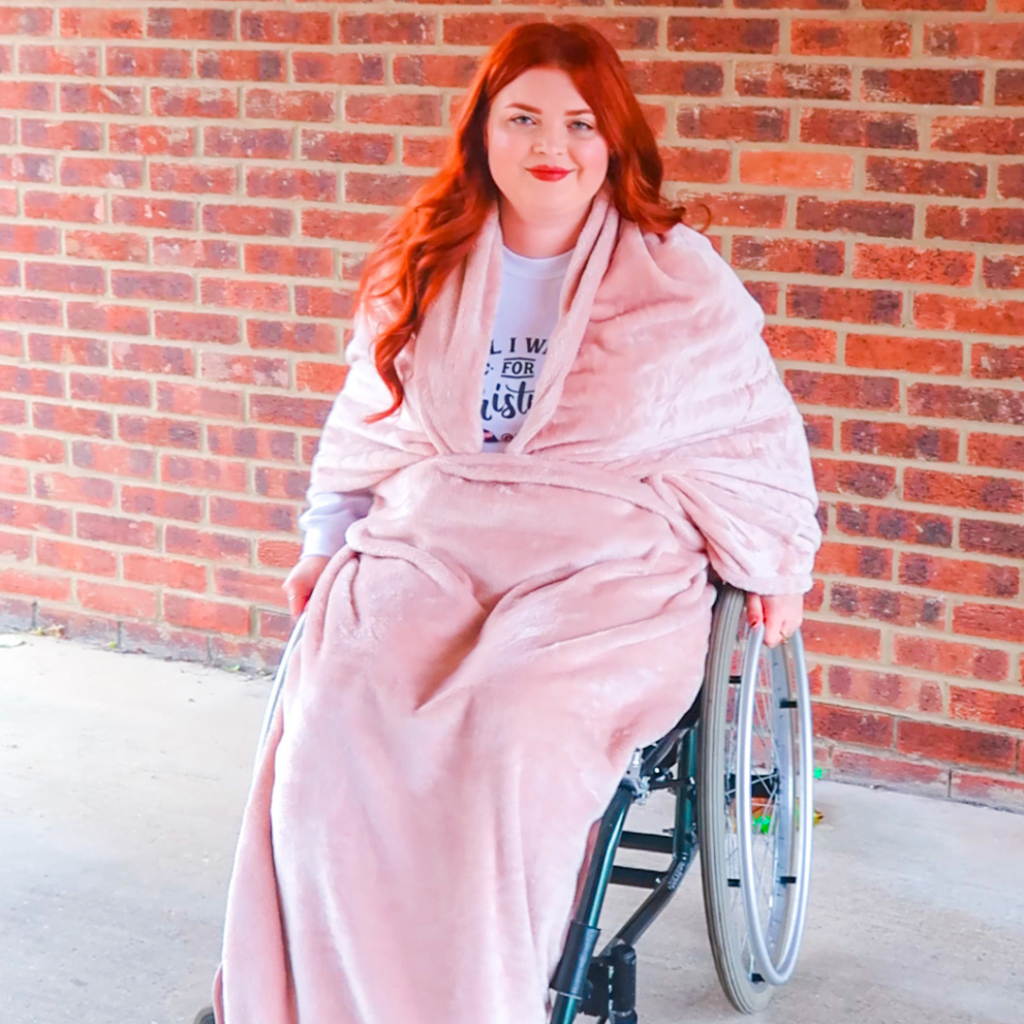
610, 991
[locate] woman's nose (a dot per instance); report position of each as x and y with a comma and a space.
551, 140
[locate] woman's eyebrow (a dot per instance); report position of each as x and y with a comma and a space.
534, 110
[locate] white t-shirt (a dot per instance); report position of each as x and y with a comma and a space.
526, 315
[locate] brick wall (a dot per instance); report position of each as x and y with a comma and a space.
186, 192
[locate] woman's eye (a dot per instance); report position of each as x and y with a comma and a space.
522, 119
584, 125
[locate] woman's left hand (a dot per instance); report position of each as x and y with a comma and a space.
780, 613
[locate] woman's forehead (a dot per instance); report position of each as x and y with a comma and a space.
543, 90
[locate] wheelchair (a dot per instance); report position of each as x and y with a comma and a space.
740, 766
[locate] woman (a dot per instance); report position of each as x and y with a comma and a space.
558, 411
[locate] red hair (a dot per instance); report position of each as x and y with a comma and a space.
436, 230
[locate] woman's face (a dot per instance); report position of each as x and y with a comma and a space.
543, 147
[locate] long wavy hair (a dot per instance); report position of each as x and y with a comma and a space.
438, 225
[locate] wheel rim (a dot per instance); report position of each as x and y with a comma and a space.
773, 848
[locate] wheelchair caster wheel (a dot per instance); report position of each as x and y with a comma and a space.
205, 1016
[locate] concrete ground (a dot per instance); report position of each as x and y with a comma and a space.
122, 780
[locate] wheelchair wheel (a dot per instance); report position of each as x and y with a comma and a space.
755, 808
205, 1016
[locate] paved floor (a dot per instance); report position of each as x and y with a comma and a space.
122, 780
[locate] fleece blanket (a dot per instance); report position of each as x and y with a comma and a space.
502, 630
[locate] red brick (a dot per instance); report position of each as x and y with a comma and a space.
37, 585
854, 561
925, 177
845, 477
89, 387
256, 588
279, 554
900, 440
94, 316
907, 263
1011, 181
796, 169
724, 35
756, 124
851, 38
28, 238
68, 420
992, 538
994, 791
808, 344
252, 515
983, 493
121, 247
26, 21
996, 135
885, 689
100, 23
227, 367
260, 295
997, 41
381, 189
23, 515
793, 81
924, 5
849, 725
301, 261
186, 23
1000, 450
32, 447
133, 602
765, 293
876, 129
241, 65
393, 108
957, 313
65, 277
308, 27
53, 348
414, 29
29, 310
424, 150
248, 143
981, 579
159, 431
206, 327
886, 220
892, 606
81, 209
315, 186
849, 305
77, 135
452, 71
915, 355
77, 558
348, 147
214, 547
115, 530
58, 60
971, 224
149, 139
856, 766
148, 62
295, 337
31, 381
191, 101
922, 86
149, 501
208, 615
191, 400
100, 99
282, 409
1003, 272
949, 744
291, 105
271, 482
154, 213
675, 77
686, 164
251, 443
144, 285
248, 220
340, 68
210, 253
734, 209
324, 378
1010, 87
192, 178
113, 459
997, 622
13, 480
162, 642
157, 571
74, 489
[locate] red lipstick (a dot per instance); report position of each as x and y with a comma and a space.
545, 173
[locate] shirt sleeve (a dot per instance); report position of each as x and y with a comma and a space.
329, 515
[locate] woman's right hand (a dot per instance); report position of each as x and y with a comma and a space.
299, 583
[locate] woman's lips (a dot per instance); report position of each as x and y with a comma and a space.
549, 173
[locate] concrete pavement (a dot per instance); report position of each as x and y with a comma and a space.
122, 780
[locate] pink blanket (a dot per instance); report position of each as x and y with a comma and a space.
501, 632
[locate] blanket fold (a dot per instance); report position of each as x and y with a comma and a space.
502, 630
